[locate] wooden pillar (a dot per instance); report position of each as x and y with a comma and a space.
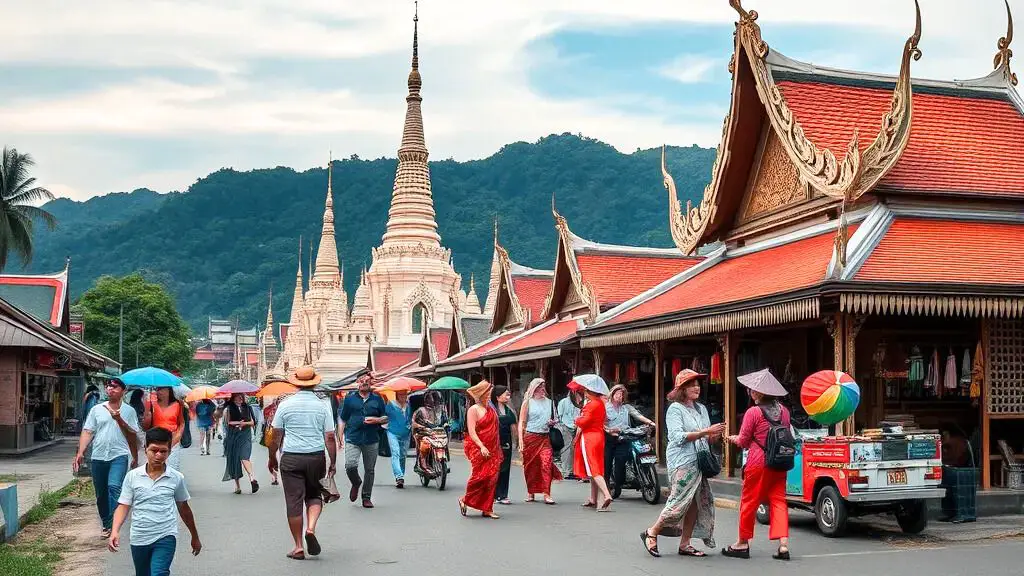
836, 325
853, 325
986, 440
658, 349
727, 343
598, 361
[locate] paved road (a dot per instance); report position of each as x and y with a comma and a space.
419, 532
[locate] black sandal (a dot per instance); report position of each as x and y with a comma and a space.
780, 555
652, 550
691, 551
312, 544
731, 552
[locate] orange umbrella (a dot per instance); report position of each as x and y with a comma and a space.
403, 384
201, 393
276, 388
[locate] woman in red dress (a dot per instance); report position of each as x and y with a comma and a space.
589, 460
483, 451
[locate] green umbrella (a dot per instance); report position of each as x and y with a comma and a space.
449, 383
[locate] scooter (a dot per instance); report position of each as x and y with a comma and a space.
435, 463
641, 473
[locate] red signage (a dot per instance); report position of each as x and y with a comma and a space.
835, 453
77, 330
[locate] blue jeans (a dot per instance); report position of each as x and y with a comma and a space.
154, 559
107, 476
399, 448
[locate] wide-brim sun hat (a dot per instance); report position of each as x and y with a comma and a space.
762, 381
686, 376
304, 377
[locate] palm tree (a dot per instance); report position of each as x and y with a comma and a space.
18, 212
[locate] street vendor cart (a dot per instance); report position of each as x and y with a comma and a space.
841, 477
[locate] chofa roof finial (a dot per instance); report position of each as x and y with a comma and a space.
1002, 58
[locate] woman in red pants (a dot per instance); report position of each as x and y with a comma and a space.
760, 483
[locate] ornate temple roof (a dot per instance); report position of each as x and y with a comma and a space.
543, 341
44, 296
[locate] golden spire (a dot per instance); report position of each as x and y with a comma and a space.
268, 338
1002, 59
296, 312
328, 271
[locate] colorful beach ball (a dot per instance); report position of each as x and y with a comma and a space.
829, 396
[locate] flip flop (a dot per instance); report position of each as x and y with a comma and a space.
652, 550
255, 486
462, 507
490, 515
296, 555
780, 555
589, 505
691, 551
606, 507
550, 502
312, 544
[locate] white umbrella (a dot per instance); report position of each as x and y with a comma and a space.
591, 382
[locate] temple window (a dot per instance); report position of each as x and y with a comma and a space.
419, 313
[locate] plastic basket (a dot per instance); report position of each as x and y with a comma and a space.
960, 502
1014, 477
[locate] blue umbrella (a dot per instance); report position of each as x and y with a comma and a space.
150, 377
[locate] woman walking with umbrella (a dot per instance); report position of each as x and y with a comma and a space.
483, 451
167, 412
761, 483
238, 443
589, 461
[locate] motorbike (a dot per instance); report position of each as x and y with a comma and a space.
641, 472
434, 465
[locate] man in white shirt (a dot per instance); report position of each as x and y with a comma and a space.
307, 426
155, 495
112, 433
567, 415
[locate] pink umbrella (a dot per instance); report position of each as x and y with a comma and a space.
762, 381
403, 384
239, 387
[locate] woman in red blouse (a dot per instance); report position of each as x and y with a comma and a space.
589, 460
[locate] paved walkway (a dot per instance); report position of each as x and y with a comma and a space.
48, 469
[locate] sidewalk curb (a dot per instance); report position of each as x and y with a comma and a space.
23, 515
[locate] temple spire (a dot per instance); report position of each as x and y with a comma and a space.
327, 267
296, 313
268, 338
411, 219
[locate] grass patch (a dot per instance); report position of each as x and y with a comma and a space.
29, 558
48, 502
13, 478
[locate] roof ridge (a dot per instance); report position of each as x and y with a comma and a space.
583, 245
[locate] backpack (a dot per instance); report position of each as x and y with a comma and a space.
780, 446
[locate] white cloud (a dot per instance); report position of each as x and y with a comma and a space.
475, 63
689, 69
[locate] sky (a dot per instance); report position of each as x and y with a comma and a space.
114, 95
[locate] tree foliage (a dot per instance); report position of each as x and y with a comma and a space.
19, 197
154, 331
220, 246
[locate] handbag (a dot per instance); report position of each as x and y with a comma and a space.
555, 435
186, 434
707, 462
329, 490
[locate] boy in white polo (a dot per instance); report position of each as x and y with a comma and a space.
155, 495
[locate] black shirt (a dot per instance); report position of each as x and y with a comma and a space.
506, 421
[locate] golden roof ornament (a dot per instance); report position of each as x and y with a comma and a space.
1002, 58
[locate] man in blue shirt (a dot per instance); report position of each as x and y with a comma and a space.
362, 418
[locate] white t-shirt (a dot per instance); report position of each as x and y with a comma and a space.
154, 503
108, 442
305, 419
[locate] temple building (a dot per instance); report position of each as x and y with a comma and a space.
410, 287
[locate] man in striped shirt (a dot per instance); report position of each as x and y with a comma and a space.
303, 428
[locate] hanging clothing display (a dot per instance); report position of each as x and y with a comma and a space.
977, 373
936, 374
950, 381
965, 369
916, 373
633, 371
677, 367
716, 368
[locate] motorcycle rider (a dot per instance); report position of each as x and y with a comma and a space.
431, 415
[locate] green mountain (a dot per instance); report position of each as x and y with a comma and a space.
219, 246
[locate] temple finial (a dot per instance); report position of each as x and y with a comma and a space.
416, 37
1002, 58
495, 229
330, 169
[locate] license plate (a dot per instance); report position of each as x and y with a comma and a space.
896, 477
648, 459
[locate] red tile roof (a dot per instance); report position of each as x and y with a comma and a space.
439, 338
919, 250
617, 277
957, 143
387, 360
203, 354
549, 335
792, 266
252, 357
481, 349
532, 291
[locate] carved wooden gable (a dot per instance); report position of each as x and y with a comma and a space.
775, 185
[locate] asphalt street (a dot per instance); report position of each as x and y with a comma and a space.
418, 531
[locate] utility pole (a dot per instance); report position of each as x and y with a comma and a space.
120, 339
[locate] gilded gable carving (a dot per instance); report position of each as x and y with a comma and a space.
777, 183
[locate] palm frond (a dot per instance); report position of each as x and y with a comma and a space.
18, 236
30, 196
18, 193
34, 213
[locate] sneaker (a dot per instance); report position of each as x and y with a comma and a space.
400, 483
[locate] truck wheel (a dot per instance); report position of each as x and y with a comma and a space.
762, 515
912, 516
830, 512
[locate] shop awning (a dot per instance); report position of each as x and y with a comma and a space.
471, 358
544, 341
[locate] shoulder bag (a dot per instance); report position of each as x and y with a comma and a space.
186, 434
707, 462
557, 442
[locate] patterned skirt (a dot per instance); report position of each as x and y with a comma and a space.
688, 487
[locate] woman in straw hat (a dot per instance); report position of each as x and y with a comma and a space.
483, 451
690, 503
760, 483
